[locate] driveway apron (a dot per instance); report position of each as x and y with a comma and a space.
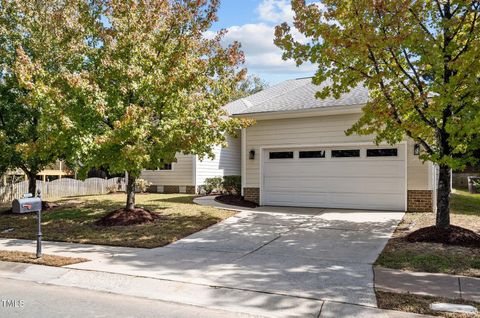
309, 253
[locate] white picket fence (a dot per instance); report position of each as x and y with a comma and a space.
61, 188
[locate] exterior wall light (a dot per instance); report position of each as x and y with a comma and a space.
251, 154
416, 149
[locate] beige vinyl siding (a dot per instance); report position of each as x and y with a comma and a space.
418, 172
225, 163
181, 174
312, 131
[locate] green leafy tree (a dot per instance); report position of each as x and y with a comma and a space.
249, 86
160, 85
41, 49
420, 61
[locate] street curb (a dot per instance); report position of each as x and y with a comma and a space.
251, 303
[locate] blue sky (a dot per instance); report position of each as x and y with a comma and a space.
252, 23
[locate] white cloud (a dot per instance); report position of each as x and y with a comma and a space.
262, 56
275, 11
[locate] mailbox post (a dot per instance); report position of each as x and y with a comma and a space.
39, 229
39, 234
29, 204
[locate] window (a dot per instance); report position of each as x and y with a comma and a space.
167, 166
312, 154
281, 155
392, 152
345, 153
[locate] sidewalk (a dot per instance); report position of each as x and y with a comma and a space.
252, 304
427, 284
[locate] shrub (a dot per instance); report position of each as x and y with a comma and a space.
232, 184
142, 185
212, 184
476, 183
112, 188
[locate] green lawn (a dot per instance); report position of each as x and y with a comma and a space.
73, 221
436, 258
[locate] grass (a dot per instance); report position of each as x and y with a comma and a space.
465, 203
431, 257
48, 260
73, 221
420, 304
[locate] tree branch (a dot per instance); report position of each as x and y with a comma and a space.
439, 6
392, 104
430, 35
470, 37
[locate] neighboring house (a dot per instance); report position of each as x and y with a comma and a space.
189, 172
297, 154
55, 171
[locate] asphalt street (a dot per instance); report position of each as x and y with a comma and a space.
28, 299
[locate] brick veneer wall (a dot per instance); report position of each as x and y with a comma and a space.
252, 194
171, 189
152, 189
420, 201
191, 190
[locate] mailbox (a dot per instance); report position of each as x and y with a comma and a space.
27, 205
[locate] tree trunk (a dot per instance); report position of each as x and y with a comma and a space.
130, 192
443, 197
32, 183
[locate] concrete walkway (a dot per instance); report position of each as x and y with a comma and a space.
428, 284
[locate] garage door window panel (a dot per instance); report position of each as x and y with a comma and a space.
346, 153
388, 152
281, 155
311, 154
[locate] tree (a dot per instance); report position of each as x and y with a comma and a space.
419, 59
40, 55
160, 84
251, 85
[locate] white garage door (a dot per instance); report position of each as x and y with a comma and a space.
338, 177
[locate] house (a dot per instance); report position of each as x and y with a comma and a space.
297, 154
188, 172
58, 170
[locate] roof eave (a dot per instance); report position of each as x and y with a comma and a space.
320, 111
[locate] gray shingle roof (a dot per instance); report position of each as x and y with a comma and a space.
292, 95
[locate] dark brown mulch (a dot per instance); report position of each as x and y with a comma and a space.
235, 200
454, 235
124, 217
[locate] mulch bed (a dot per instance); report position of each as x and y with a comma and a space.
454, 235
124, 217
236, 200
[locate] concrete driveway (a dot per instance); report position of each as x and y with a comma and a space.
319, 254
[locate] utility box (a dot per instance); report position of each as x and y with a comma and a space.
27, 205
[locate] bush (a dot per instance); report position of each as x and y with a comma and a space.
232, 184
476, 183
112, 188
212, 184
142, 185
